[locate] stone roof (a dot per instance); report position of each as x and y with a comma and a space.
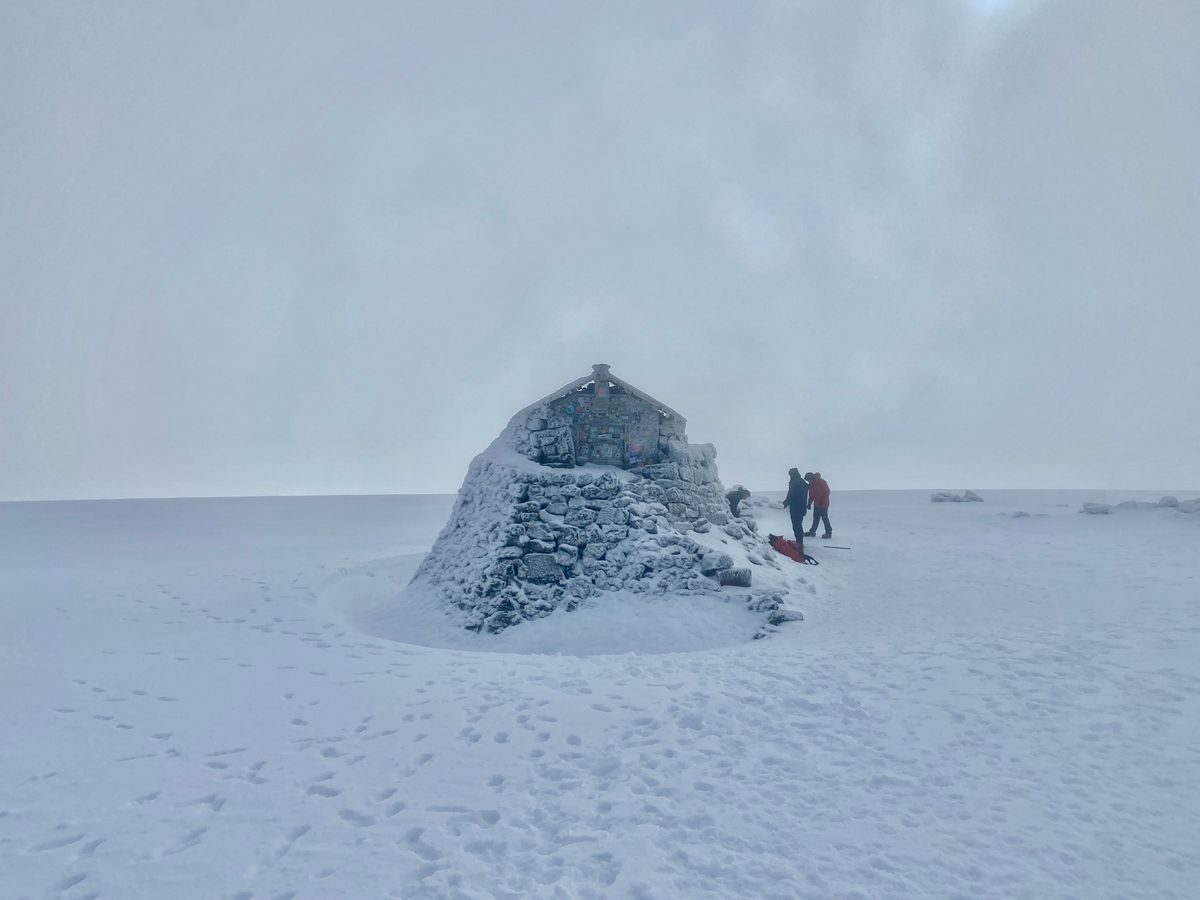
600, 372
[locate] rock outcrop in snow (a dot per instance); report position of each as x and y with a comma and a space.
951, 497
533, 530
1168, 502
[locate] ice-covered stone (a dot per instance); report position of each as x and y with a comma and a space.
612, 515
580, 518
542, 568
780, 616
539, 531
714, 562
1096, 509
739, 577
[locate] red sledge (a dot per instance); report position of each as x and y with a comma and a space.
791, 549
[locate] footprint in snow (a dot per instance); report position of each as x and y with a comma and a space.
189, 840
215, 802
355, 818
57, 843
423, 850
70, 881
292, 836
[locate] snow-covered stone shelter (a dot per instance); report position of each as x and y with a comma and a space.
592, 489
601, 419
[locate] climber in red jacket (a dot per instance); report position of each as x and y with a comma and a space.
818, 501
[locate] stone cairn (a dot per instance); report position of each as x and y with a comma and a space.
526, 538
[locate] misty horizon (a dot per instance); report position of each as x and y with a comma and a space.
310, 251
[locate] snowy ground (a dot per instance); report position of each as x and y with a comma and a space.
977, 706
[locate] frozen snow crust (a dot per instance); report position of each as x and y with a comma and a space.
977, 706
525, 540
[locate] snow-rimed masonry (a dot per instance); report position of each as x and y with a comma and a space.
593, 489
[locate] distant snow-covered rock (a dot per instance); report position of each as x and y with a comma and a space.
951, 497
1185, 506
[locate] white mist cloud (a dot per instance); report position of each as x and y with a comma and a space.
304, 248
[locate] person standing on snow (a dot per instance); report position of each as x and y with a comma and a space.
796, 502
818, 499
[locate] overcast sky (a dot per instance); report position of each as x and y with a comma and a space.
292, 248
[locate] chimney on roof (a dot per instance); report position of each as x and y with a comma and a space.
601, 376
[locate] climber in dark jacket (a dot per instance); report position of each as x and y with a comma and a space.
796, 502
735, 497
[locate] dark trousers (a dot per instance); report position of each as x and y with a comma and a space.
820, 514
798, 524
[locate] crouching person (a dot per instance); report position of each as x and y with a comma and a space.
735, 498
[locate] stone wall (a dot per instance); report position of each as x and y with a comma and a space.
525, 540
620, 429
